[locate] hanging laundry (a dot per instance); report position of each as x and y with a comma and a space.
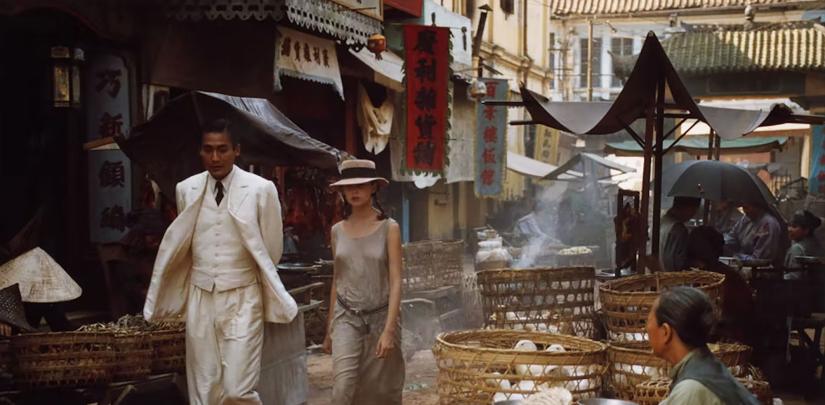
375, 122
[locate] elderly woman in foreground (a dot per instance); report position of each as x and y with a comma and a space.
679, 325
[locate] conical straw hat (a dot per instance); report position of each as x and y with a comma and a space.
41, 279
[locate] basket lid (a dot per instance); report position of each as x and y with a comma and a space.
41, 279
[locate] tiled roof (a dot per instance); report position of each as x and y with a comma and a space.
607, 7
799, 47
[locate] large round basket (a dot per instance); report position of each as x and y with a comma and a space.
133, 354
654, 391
431, 264
634, 363
478, 366
556, 300
627, 301
169, 348
64, 359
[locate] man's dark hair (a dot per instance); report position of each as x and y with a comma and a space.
705, 243
220, 126
686, 202
689, 312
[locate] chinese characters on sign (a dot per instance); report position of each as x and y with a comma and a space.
109, 170
427, 71
491, 140
307, 57
816, 183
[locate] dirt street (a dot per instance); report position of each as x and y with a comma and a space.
419, 387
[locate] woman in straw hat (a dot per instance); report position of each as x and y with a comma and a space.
363, 332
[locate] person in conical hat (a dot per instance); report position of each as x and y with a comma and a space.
44, 285
364, 332
12, 315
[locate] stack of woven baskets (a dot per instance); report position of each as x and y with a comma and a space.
538, 323
482, 366
98, 354
626, 303
556, 300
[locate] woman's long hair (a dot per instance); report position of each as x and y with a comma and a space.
375, 204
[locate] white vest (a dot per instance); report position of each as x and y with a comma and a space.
219, 259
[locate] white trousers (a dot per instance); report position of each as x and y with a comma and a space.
224, 339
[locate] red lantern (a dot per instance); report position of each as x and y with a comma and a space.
377, 43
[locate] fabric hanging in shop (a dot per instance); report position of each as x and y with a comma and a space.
307, 57
375, 122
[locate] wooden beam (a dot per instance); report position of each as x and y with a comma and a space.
657, 170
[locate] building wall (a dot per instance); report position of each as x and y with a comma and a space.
572, 35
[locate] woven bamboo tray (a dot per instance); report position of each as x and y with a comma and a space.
654, 391
64, 359
474, 366
556, 300
133, 356
634, 363
169, 348
627, 301
432, 264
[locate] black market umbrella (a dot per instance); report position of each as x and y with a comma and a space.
715, 180
167, 145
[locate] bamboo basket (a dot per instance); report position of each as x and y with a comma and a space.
133, 356
654, 391
476, 366
634, 363
556, 300
431, 264
169, 350
627, 301
64, 359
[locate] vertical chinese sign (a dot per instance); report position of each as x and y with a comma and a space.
110, 175
427, 60
816, 181
547, 145
491, 140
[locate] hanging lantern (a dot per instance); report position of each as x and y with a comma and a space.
377, 43
66, 76
477, 90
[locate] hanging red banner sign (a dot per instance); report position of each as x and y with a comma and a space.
427, 60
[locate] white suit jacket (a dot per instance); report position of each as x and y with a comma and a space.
253, 205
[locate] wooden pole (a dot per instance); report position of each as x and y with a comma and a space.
645, 204
657, 173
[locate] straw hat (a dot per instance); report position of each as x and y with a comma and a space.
41, 279
358, 171
11, 308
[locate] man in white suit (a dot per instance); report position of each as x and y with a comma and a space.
216, 267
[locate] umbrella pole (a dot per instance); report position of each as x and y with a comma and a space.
711, 143
657, 172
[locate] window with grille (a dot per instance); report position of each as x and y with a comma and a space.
551, 60
596, 74
623, 47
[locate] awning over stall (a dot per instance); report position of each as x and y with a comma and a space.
699, 146
579, 160
387, 70
167, 145
534, 168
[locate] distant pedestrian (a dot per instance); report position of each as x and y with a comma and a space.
673, 234
805, 243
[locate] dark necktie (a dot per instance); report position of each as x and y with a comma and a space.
219, 194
